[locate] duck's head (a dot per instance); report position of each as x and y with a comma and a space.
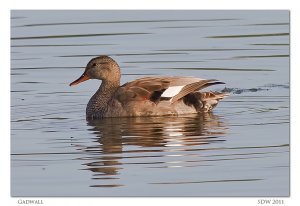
103, 68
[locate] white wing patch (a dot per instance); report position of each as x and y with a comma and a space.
172, 91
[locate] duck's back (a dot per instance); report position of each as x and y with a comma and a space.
158, 96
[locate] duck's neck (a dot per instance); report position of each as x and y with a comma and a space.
97, 105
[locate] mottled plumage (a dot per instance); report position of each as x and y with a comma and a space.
148, 96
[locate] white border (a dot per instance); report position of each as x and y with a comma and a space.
144, 4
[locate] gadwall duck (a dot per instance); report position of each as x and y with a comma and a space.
148, 96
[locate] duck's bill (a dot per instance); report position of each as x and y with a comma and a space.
82, 78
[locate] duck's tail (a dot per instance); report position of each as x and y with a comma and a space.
204, 101
210, 100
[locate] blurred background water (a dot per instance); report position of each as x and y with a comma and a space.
241, 149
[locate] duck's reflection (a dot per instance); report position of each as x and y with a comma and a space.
122, 138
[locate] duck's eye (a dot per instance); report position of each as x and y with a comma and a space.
93, 65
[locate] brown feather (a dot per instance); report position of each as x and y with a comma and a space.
152, 87
212, 95
139, 91
189, 89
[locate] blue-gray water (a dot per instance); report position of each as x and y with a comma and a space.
241, 149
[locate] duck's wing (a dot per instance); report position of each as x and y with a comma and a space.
196, 86
141, 89
158, 88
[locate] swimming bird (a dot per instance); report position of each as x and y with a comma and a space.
148, 96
